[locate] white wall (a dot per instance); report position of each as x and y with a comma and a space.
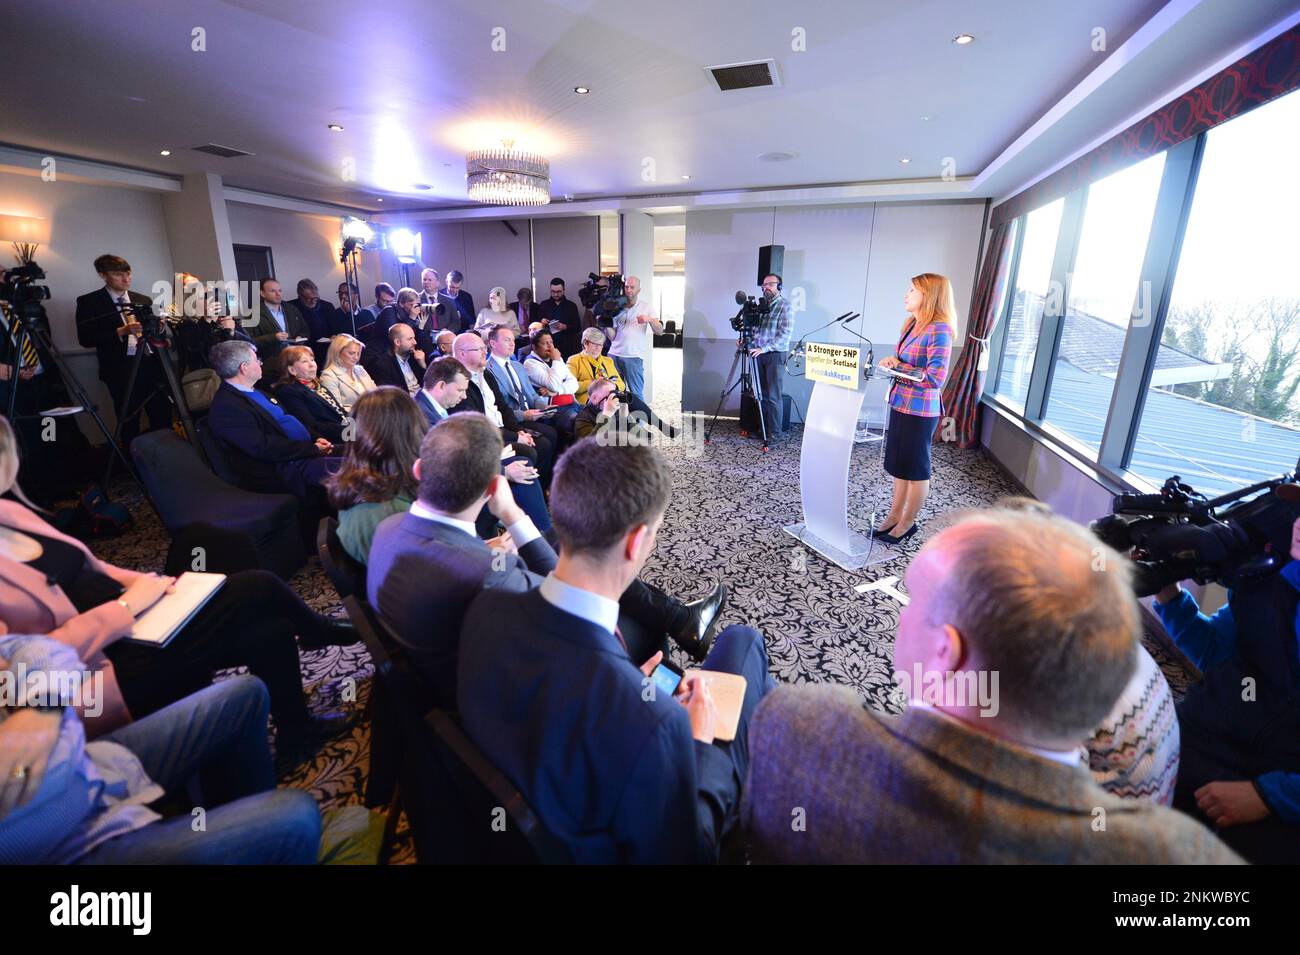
568, 248
837, 259
86, 222
302, 247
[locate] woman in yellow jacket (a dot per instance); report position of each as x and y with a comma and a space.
589, 364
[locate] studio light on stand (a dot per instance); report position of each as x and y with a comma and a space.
405, 246
356, 234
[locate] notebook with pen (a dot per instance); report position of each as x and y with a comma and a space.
157, 625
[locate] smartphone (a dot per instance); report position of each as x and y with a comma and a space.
666, 678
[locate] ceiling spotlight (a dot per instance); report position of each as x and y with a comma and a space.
926, 119
582, 89
686, 177
165, 152
379, 200
961, 39
335, 128
905, 160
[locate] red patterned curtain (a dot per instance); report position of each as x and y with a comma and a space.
961, 394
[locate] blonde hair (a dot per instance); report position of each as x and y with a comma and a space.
337, 344
501, 296
937, 304
9, 462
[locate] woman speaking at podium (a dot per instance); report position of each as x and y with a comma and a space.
924, 348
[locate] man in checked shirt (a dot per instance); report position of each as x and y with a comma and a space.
771, 348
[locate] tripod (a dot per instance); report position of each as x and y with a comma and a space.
160, 345
751, 387
37, 332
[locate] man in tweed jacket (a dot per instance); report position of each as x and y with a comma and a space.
1039, 616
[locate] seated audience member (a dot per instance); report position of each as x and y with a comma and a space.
546, 369
1133, 751
385, 295
349, 323
443, 343
975, 771
1240, 764
589, 364
270, 449
549, 690
514, 385
344, 375
428, 564
464, 302
496, 314
524, 343
63, 800
445, 385
523, 308
51, 584
484, 397
429, 281
377, 476
304, 397
405, 310
401, 363
280, 325
321, 317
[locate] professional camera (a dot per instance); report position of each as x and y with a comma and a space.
1179, 534
751, 314
18, 288
605, 301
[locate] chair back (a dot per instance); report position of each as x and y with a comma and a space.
347, 575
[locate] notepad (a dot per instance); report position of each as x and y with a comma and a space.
728, 692
157, 625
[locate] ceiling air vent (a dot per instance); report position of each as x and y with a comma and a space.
745, 76
225, 152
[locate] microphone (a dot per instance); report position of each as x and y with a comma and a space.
741, 298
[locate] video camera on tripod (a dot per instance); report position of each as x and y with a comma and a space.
752, 313
18, 287
1179, 534
604, 301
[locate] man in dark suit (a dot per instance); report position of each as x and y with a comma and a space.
401, 363
321, 317
426, 565
516, 388
446, 383
464, 301
483, 397
561, 318
618, 766
107, 323
271, 450
1020, 634
280, 324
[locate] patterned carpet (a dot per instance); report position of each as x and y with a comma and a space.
730, 500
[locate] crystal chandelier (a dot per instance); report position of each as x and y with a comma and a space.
505, 177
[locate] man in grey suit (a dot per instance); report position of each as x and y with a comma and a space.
427, 565
1020, 634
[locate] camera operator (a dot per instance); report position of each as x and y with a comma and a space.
107, 322
633, 336
1240, 761
771, 347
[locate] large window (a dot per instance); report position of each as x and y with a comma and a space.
1103, 293
1223, 407
1028, 296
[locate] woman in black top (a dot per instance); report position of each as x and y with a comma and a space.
303, 396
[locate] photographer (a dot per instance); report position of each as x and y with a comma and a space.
108, 321
605, 410
1240, 761
633, 336
771, 347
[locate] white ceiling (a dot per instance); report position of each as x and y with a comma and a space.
415, 86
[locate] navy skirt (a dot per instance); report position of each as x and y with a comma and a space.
907, 445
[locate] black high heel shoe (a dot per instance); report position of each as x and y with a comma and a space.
891, 539
880, 532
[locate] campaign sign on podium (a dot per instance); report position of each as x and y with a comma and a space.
827, 452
